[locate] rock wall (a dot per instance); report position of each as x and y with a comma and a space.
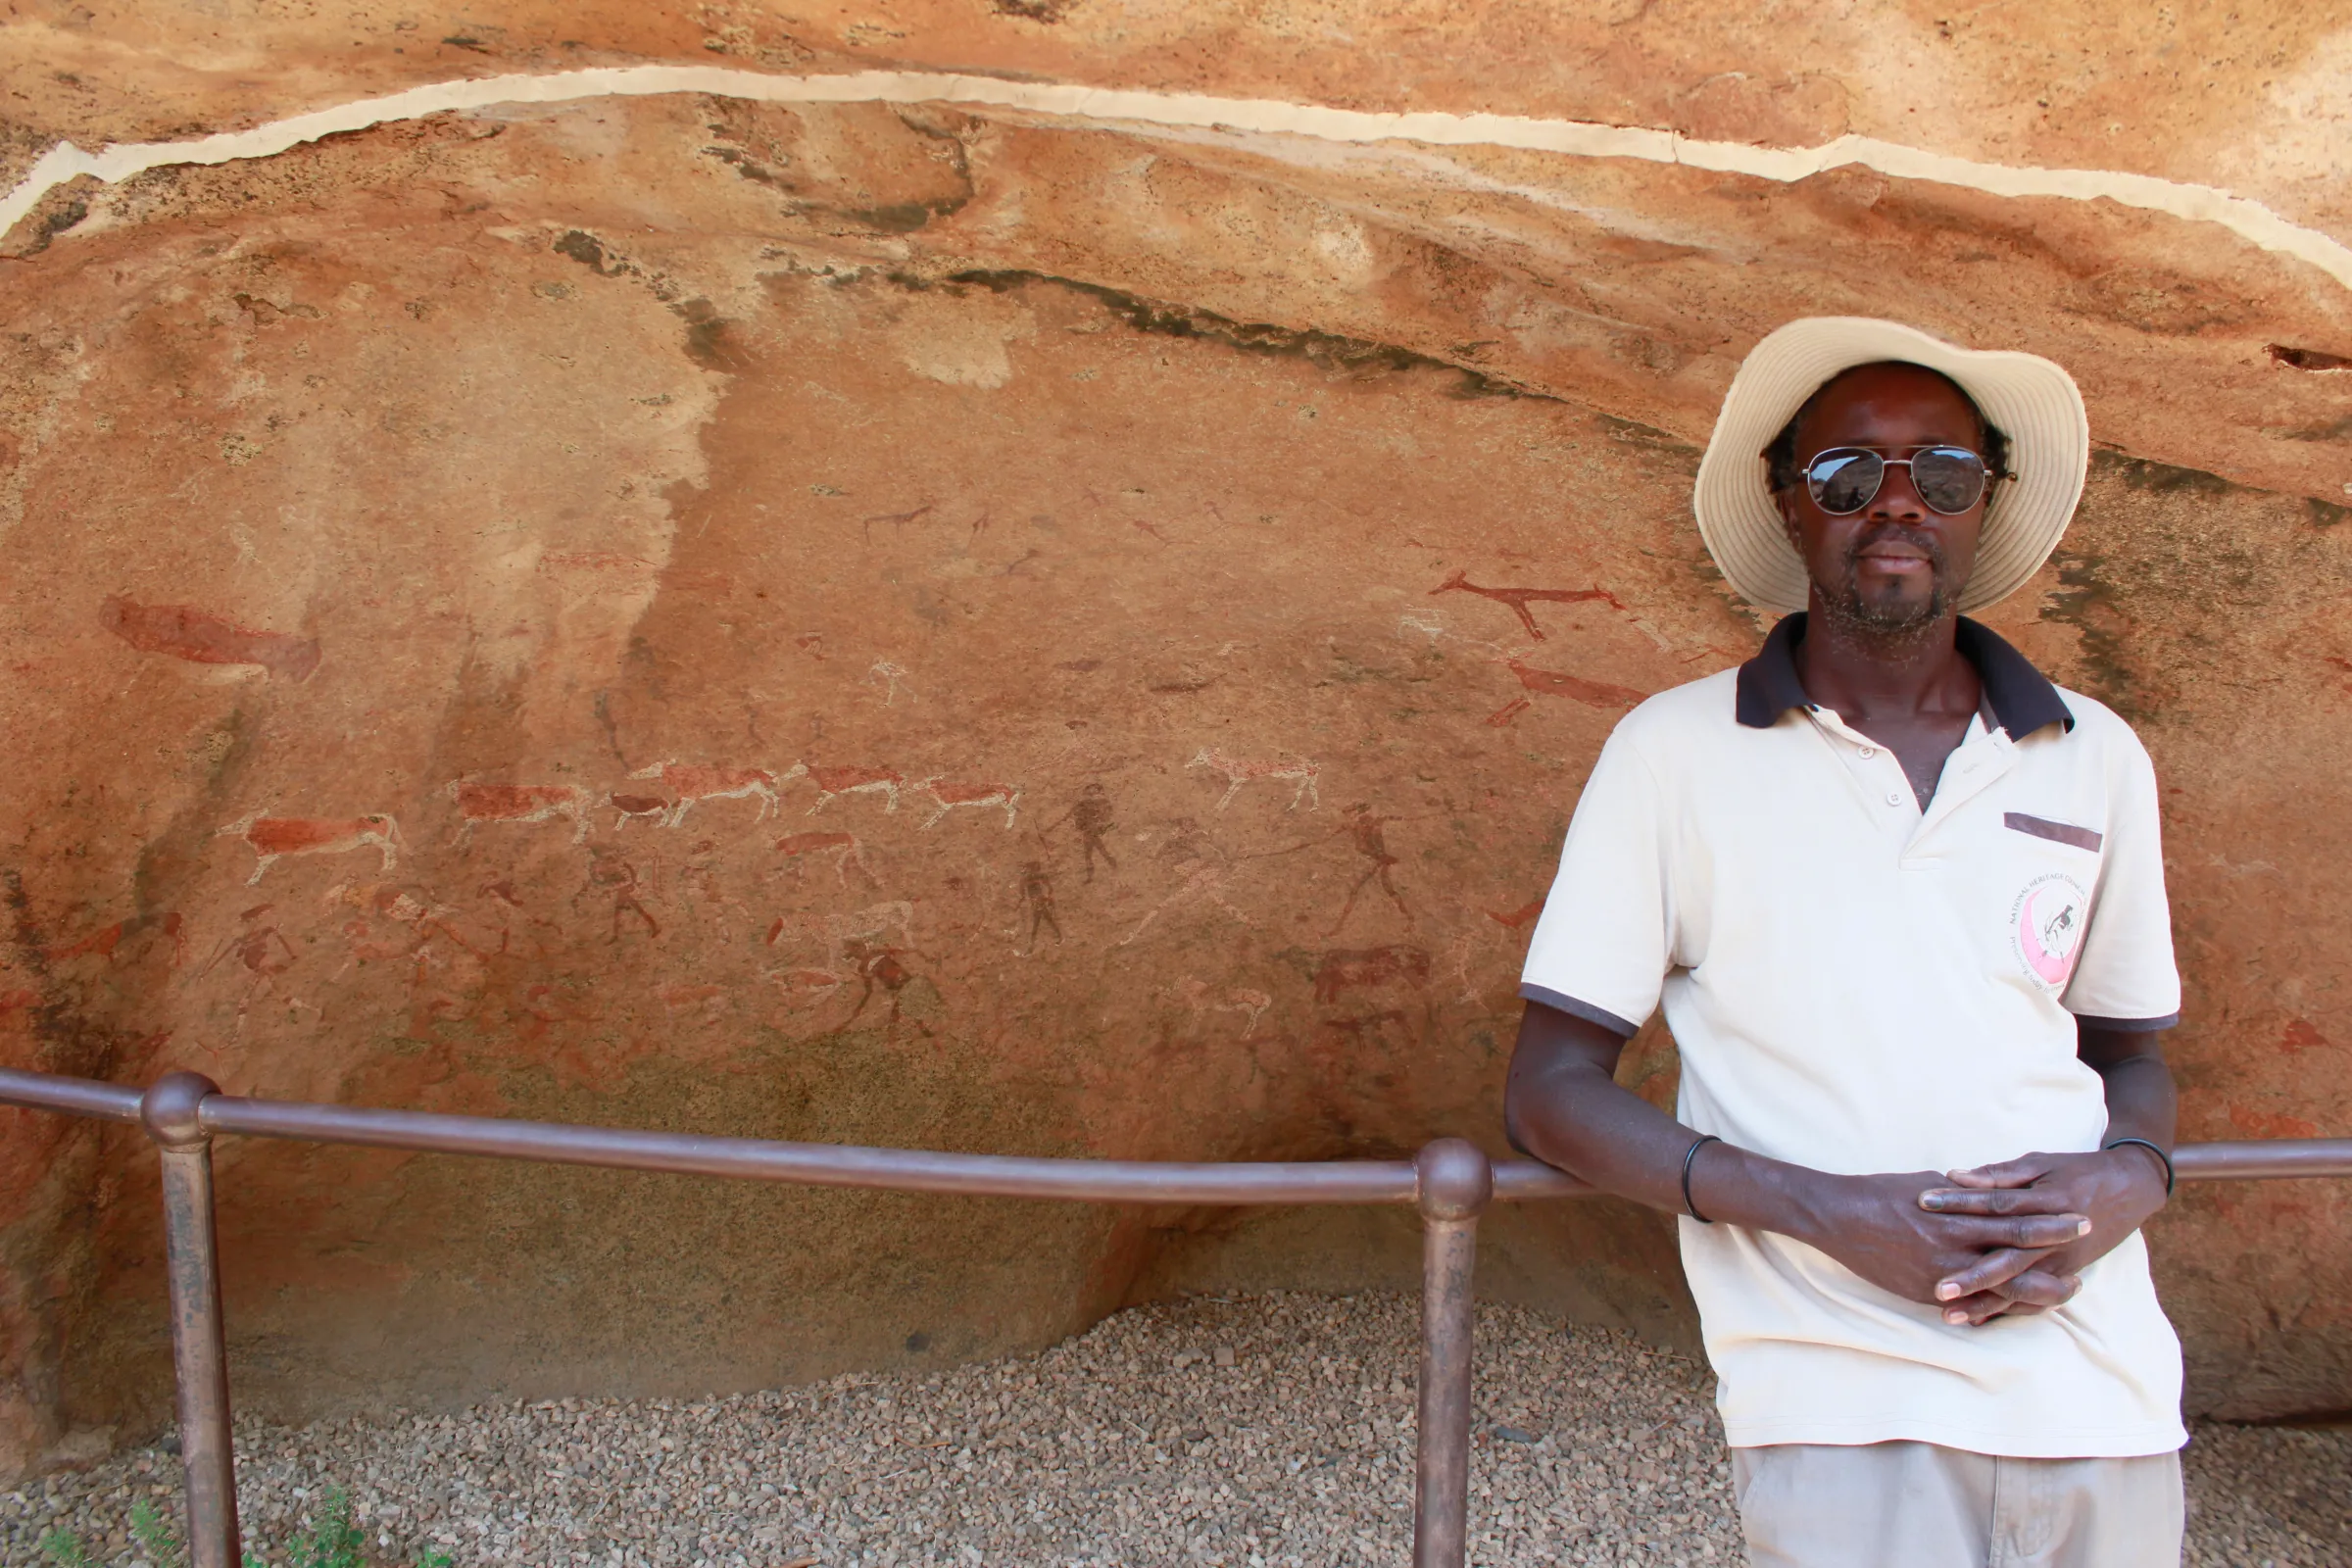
988, 625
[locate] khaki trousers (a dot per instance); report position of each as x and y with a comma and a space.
1918, 1505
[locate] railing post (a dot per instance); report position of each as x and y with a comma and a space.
169, 1112
1457, 1181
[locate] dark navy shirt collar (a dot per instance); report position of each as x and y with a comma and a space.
2020, 696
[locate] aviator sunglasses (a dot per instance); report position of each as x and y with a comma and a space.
1844, 479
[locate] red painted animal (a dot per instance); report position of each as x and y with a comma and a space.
947, 795
273, 838
518, 803
183, 631
841, 846
832, 781
1551, 683
693, 783
1238, 771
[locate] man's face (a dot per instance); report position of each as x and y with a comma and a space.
1896, 565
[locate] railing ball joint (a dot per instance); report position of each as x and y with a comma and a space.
1458, 1180
171, 1109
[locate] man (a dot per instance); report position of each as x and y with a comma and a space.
1903, 901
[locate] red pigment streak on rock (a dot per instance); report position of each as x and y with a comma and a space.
1550, 683
1517, 918
102, 942
2258, 1124
2300, 1035
1518, 599
1508, 711
201, 638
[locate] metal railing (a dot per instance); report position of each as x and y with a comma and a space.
1451, 1182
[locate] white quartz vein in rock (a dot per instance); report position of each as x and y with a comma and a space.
2248, 218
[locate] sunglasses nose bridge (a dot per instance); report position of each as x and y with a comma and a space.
1889, 501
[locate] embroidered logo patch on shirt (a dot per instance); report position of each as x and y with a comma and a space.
2047, 922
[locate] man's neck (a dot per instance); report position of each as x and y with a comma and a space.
1865, 674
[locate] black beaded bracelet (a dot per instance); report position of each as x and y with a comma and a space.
2119, 1143
1704, 1139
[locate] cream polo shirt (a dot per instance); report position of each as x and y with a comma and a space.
1858, 986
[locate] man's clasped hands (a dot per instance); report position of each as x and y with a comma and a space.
2006, 1239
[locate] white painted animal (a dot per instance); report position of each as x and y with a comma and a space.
1239, 772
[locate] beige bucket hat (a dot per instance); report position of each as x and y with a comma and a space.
2033, 400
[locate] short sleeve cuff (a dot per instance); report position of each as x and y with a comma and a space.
1531, 991
2122, 1026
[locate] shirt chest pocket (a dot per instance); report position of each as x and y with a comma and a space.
2033, 893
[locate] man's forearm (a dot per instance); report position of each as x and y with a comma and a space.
2142, 1100
1566, 1108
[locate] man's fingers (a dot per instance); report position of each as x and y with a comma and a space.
2033, 1232
2007, 1173
2042, 1286
1993, 1200
1987, 1273
1970, 1311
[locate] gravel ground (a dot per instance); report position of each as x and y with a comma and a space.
1273, 1432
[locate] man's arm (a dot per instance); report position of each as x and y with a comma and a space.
1563, 1105
2120, 1188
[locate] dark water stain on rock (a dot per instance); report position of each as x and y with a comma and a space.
2086, 600
2159, 478
1327, 349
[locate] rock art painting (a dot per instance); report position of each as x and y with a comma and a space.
833, 782
840, 850
1093, 816
947, 795
1516, 600
995, 521
518, 803
1238, 771
273, 838
1577, 689
182, 632
691, 784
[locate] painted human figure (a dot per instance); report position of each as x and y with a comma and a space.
617, 876
1037, 891
1091, 815
878, 968
258, 949
1365, 826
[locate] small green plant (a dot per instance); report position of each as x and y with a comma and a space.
155, 1538
65, 1548
332, 1541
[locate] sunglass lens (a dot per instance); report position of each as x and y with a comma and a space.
1844, 479
1948, 478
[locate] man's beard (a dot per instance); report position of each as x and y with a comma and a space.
1896, 620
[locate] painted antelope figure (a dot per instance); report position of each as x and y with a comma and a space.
654, 807
694, 784
274, 836
832, 781
1239, 772
843, 847
518, 803
1516, 600
947, 795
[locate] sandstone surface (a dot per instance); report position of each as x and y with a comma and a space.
971, 625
